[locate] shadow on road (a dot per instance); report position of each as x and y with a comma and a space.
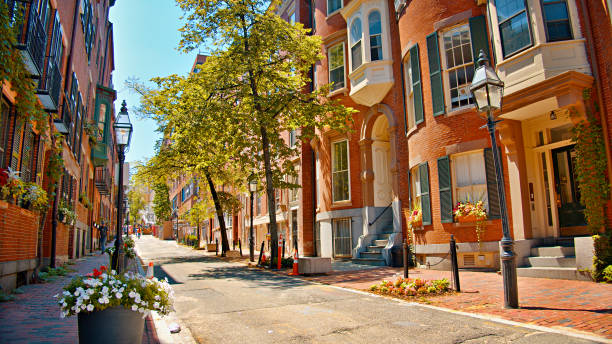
258, 278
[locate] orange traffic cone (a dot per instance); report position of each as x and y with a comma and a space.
295, 266
263, 258
150, 270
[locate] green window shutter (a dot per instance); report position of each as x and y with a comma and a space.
417, 89
446, 192
435, 74
494, 207
478, 32
16, 143
425, 198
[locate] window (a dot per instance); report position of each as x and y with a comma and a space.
4, 130
101, 122
27, 154
356, 44
258, 204
340, 171
277, 199
292, 138
419, 191
469, 177
556, 20
413, 88
513, 25
333, 6
342, 237
336, 66
292, 17
457, 54
317, 178
294, 192
375, 27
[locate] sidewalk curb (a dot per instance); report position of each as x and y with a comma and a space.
160, 324
487, 317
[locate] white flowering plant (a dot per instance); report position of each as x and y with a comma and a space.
103, 289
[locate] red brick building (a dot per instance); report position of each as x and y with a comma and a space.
68, 48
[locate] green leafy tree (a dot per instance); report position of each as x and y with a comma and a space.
161, 202
136, 201
260, 65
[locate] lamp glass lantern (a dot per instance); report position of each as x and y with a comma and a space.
253, 185
487, 88
123, 127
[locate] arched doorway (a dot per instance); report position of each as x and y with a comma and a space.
381, 162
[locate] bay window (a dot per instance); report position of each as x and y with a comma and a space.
556, 20
374, 25
513, 25
356, 59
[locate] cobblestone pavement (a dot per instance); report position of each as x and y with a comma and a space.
34, 316
571, 305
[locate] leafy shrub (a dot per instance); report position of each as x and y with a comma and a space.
410, 287
607, 274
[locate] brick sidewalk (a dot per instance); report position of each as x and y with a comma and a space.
572, 305
34, 316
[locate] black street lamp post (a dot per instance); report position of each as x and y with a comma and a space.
252, 189
123, 135
487, 90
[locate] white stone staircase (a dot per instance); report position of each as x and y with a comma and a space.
557, 262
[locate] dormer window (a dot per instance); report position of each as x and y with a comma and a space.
375, 27
356, 43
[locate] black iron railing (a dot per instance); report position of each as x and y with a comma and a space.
32, 39
50, 85
103, 180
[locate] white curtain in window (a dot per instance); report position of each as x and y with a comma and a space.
470, 177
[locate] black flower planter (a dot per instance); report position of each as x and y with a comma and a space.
112, 325
61, 217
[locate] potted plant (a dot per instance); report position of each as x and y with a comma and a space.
13, 188
111, 307
85, 200
415, 220
128, 251
66, 214
34, 197
468, 212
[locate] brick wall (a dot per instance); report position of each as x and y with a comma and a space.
601, 42
19, 233
428, 141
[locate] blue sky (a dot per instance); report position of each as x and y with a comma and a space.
146, 36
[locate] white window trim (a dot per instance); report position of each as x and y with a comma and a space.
445, 75
453, 159
351, 44
343, 66
348, 159
409, 92
381, 34
329, 14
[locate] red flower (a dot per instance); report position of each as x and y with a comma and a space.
102, 268
3, 176
96, 273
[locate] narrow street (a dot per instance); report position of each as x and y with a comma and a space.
222, 302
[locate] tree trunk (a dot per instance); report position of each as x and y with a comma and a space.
270, 195
215, 197
199, 234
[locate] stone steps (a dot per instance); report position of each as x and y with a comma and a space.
369, 254
554, 273
381, 242
552, 262
370, 261
556, 261
375, 248
553, 251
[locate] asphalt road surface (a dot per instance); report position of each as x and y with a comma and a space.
225, 302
